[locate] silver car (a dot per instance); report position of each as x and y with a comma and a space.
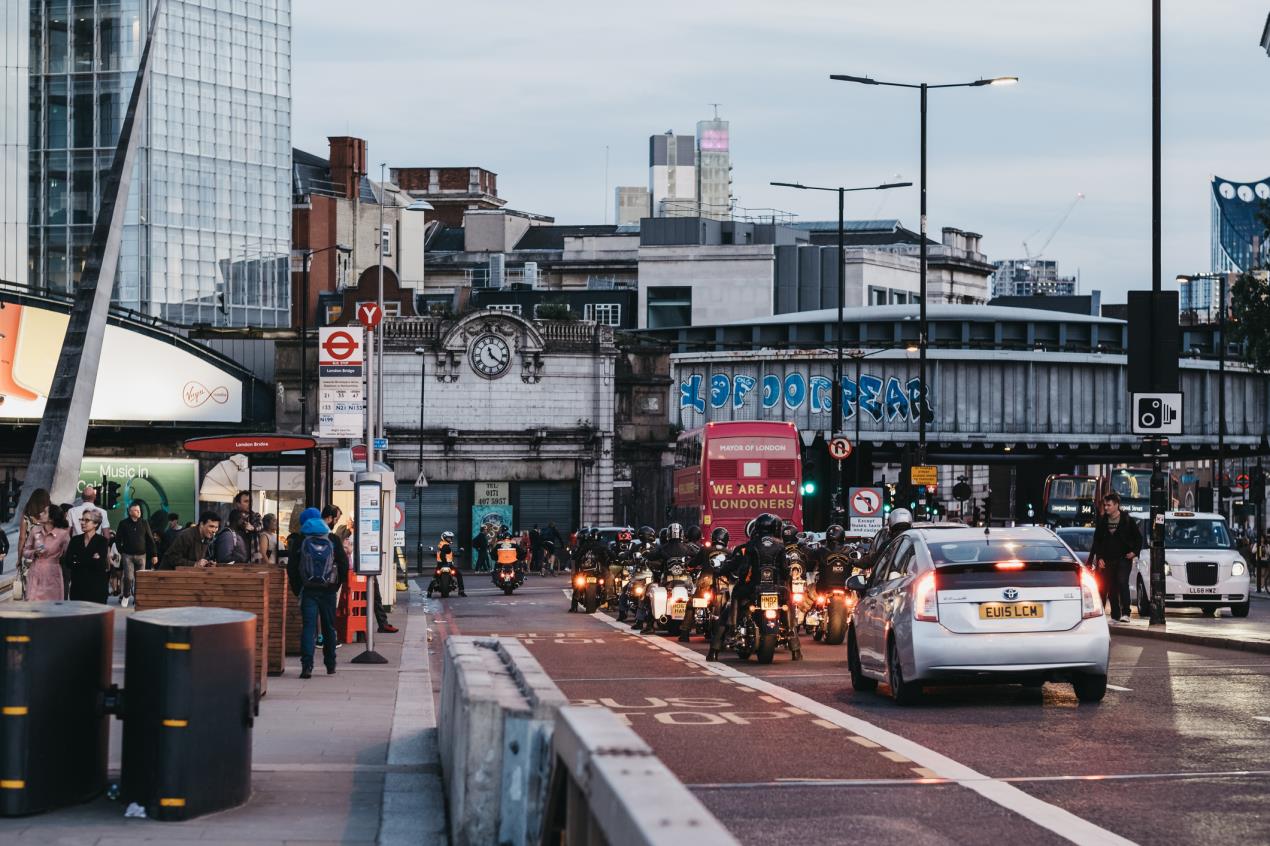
950, 606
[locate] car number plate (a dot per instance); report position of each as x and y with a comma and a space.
768, 601
678, 609
590, 580
1011, 611
1201, 590
699, 602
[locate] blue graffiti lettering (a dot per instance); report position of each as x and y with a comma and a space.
720, 390
690, 394
741, 385
896, 402
870, 396
771, 390
848, 398
916, 401
821, 391
795, 391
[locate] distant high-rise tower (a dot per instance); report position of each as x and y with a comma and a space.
632, 204
1238, 233
672, 175
714, 168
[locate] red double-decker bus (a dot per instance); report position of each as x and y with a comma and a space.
728, 473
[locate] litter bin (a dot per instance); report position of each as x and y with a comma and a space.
190, 699
54, 730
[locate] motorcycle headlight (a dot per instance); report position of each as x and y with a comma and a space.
639, 590
1238, 569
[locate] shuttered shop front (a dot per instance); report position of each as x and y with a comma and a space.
543, 502
440, 514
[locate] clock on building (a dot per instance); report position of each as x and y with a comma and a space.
490, 356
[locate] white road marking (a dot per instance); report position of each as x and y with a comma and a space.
1119, 688
1263, 719
863, 741
826, 724
894, 756
1063, 823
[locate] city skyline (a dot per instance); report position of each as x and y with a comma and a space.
1004, 162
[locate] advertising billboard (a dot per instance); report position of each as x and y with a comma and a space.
141, 378
157, 484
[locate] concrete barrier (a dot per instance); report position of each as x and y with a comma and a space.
607, 787
494, 732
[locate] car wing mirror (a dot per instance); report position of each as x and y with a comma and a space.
859, 584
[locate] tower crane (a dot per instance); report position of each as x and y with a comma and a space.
1031, 256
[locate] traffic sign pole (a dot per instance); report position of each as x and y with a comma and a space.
370, 656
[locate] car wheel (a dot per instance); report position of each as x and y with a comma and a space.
1144, 601
903, 692
1240, 610
859, 681
1090, 687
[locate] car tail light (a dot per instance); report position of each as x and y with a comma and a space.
926, 599
1010, 565
1090, 599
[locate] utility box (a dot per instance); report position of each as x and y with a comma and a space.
190, 701
54, 730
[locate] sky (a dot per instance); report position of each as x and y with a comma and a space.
544, 92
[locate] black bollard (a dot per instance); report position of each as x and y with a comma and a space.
54, 730
189, 705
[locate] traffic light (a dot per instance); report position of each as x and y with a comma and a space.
110, 495
987, 508
809, 478
809, 487
1257, 490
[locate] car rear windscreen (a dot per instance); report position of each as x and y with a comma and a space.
991, 551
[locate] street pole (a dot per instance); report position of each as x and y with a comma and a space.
379, 349
423, 367
304, 350
1157, 474
838, 369
859, 459
1218, 499
924, 326
370, 656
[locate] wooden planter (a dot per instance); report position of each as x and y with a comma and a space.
239, 588
279, 606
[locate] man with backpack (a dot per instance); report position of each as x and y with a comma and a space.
316, 569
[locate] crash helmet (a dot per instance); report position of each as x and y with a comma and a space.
447, 536
789, 532
504, 533
647, 534
749, 528
624, 536
835, 534
900, 519
766, 526
693, 534
661, 536
675, 532
720, 537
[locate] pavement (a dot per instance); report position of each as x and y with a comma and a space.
791, 753
1189, 625
349, 758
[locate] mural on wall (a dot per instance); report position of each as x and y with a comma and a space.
890, 399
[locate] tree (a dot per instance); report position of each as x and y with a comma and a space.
555, 310
1250, 309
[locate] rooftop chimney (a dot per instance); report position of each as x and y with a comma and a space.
348, 163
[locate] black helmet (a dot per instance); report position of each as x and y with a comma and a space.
766, 525
719, 537
835, 534
789, 532
693, 535
584, 533
647, 534
675, 531
661, 536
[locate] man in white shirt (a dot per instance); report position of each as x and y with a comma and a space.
89, 504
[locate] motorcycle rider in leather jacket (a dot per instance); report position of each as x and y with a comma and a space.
673, 548
765, 547
591, 556
834, 564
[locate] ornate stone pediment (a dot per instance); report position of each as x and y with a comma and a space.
522, 338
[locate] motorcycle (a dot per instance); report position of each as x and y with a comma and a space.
834, 607
445, 580
800, 600
765, 625
587, 588
632, 595
507, 577
668, 601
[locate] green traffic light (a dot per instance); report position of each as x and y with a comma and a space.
809, 488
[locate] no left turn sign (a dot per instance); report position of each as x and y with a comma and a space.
866, 502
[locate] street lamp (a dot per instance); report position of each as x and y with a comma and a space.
836, 391
859, 355
304, 332
422, 352
923, 332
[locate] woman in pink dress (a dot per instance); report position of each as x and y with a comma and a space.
45, 543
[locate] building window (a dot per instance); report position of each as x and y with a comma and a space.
510, 308
877, 296
669, 307
609, 314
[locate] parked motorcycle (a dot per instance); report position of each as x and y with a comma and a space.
507, 577
764, 626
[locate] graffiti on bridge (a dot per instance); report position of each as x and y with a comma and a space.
877, 398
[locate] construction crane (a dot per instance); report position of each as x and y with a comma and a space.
1028, 254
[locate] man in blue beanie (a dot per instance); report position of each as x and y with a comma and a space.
316, 569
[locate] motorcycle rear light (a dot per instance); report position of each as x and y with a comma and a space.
926, 598
821, 600
1090, 599
770, 613
707, 596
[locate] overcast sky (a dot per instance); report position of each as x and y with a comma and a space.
536, 91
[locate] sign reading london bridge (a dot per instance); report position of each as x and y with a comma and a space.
881, 398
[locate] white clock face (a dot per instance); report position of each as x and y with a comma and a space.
1245, 193
1263, 190
490, 356
1226, 190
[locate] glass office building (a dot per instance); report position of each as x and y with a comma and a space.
1238, 232
14, 112
208, 226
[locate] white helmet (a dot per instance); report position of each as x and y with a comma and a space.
900, 519
449, 536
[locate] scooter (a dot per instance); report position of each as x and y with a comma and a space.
507, 577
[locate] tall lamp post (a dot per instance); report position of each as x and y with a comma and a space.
422, 352
923, 331
859, 355
304, 332
836, 391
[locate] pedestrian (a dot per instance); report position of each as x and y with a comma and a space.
1117, 543
170, 533
250, 525
31, 514
87, 558
230, 545
480, 548
190, 547
316, 569
293, 529
269, 540
136, 550
535, 549
46, 542
88, 502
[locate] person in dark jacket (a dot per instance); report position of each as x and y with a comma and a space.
230, 546
190, 546
317, 602
87, 559
137, 551
1117, 542
169, 534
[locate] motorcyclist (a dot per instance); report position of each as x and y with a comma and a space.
674, 549
692, 537
764, 547
834, 560
591, 556
507, 551
445, 556
899, 521
702, 565
619, 557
